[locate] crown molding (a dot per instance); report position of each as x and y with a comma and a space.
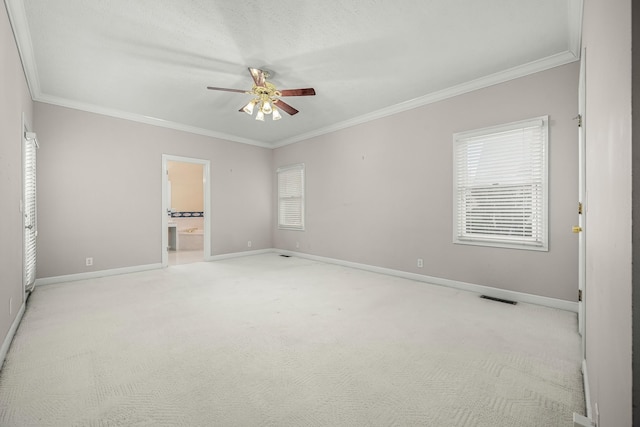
483, 82
147, 120
576, 11
20, 26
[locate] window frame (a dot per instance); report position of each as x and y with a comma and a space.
538, 243
283, 169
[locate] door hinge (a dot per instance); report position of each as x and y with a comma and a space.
579, 119
579, 208
579, 295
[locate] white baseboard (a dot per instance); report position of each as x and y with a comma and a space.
471, 287
239, 254
587, 392
96, 274
12, 331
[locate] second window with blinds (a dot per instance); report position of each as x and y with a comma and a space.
500, 185
291, 197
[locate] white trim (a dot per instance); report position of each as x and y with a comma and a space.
239, 254
20, 26
17, 16
582, 193
483, 82
587, 391
533, 67
471, 287
12, 331
96, 274
576, 11
48, 99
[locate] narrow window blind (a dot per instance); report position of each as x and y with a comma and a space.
29, 212
500, 185
291, 197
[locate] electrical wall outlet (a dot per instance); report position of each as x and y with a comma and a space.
297, 245
249, 244
420, 263
89, 261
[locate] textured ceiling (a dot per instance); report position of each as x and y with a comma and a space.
151, 60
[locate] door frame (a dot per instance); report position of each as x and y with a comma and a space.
206, 189
582, 199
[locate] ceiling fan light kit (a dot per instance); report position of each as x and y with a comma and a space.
267, 96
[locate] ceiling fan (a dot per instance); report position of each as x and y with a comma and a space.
266, 96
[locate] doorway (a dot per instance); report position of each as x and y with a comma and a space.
185, 202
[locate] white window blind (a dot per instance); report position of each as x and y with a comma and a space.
291, 197
29, 210
500, 185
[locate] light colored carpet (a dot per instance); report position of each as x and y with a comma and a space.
273, 341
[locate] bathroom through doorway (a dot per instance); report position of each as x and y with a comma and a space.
185, 210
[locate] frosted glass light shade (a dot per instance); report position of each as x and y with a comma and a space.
276, 114
260, 116
249, 107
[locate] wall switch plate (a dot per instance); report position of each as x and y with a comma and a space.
249, 244
89, 261
11, 306
297, 245
420, 263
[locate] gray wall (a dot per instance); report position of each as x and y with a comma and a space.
99, 191
607, 38
14, 100
381, 193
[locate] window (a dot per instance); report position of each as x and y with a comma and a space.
500, 185
30, 219
291, 197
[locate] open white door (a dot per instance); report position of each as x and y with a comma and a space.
582, 201
29, 218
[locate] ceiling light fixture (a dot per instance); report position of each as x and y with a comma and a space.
266, 98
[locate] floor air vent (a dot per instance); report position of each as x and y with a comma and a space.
506, 301
285, 256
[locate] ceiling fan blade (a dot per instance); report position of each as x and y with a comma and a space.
226, 89
286, 107
258, 76
298, 92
